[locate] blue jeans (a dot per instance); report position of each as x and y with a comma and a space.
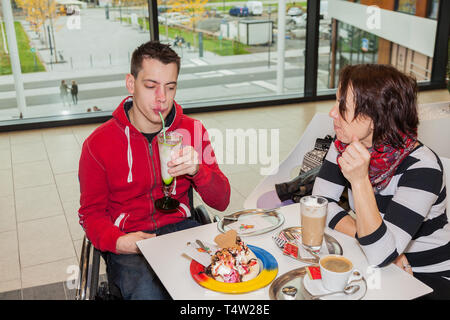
132, 274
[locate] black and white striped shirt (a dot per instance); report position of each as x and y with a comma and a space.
413, 208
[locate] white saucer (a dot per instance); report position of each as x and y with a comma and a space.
315, 287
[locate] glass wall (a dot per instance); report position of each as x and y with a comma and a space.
69, 45
354, 46
363, 33
229, 50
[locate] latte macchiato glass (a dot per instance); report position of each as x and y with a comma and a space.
313, 217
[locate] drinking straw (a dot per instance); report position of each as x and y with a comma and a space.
164, 126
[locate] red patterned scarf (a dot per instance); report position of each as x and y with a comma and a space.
384, 160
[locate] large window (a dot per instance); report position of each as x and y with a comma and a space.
353, 46
230, 52
366, 33
234, 54
85, 45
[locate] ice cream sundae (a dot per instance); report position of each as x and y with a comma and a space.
233, 262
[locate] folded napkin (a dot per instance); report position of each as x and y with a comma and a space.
198, 254
250, 224
295, 248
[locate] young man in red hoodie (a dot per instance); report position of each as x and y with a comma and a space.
120, 172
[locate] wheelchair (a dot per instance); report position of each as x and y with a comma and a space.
88, 284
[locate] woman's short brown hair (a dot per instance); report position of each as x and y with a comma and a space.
153, 50
385, 95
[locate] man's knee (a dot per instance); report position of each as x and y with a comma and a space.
135, 278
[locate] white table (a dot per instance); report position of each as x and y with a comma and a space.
165, 255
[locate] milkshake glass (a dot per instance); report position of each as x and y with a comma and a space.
171, 144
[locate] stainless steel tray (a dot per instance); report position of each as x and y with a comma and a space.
333, 245
289, 286
292, 280
275, 218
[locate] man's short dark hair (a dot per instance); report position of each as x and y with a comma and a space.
153, 50
385, 95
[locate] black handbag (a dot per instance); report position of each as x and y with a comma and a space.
302, 185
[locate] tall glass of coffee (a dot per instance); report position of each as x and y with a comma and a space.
313, 218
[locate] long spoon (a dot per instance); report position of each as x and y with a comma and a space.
347, 290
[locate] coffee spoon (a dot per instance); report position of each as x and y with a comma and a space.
289, 292
347, 290
201, 245
357, 277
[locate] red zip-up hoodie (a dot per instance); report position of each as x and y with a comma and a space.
120, 178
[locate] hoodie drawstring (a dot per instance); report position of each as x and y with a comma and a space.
129, 155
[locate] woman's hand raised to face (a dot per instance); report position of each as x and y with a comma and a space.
355, 161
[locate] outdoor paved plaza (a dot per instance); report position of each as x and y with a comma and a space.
97, 55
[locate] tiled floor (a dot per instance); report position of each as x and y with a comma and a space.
40, 238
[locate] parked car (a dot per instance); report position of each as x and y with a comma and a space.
239, 11
294, 11
300, 21
162, 8
255, 8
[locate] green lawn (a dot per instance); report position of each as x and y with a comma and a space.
229, 4
223, 47
26, 56
220, 47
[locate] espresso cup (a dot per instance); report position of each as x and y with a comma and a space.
335, 271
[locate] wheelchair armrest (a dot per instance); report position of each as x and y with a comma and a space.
88, 278
88, 288
95, 271
84, 270
201, 214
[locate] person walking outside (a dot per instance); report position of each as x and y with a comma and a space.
74, 92
63, 91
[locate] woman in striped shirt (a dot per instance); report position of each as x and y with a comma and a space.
396, 185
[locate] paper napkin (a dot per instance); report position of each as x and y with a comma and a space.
296, 249
198, 254
249, 225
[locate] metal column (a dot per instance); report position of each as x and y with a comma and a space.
281, 45
312, 48
14, 56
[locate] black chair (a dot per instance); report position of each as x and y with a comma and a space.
89, 288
